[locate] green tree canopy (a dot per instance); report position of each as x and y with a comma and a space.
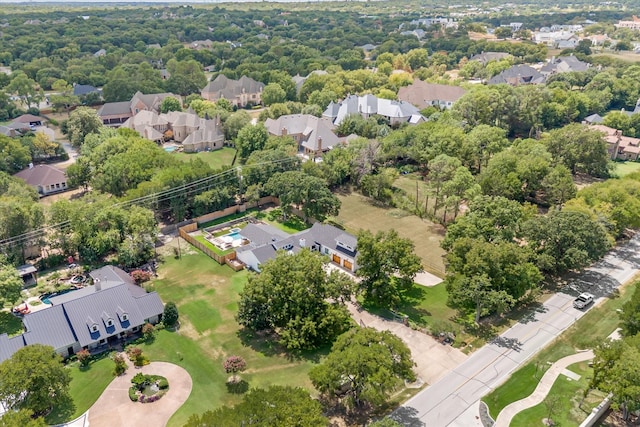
364, 367
35, 379
579, 148
387, 264
170, 103
274, 407
82, 122
291, 296
10, 284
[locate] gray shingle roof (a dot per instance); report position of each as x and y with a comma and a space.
224, 87
368, 105
518, 74
311, 128
114, 108
8, 346
42, 175
80, 90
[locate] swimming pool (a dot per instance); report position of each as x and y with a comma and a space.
235, 235
45, 298
170, 148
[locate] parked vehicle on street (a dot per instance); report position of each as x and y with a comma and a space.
583, 300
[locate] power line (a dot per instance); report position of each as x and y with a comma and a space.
158, 197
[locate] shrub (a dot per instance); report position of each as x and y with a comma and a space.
54, 122
140, 380
148, 332
133, 353
140, 276
121, 365
170, 315
50, 261
163, 384
84, 357
133, 394
233, 365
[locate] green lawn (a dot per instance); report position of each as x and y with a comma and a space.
359, 212
207, 295
86, 387
200, 238
564, 404
590, 330
215, 159
623, 169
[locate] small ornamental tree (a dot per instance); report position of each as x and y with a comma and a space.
148, 332
233, 365
170, 315
84, 357
121, 365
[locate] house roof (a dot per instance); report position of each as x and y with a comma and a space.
41, 175
313, 130
9, 345
224, 87
7, 131
49, 327
486, 57
421, 93
28, 118
26, 269
594, 119
369, 104
80, 90
111, 274
261, 234
115, 108
518, 74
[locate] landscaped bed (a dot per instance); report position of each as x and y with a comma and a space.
148, 388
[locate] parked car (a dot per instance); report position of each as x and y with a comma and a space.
583, 300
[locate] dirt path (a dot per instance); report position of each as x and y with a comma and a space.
114, 408
433, 360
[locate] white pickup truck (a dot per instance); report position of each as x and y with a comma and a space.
583, 300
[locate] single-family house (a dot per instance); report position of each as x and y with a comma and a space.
8, 131
29, 119
396, 112
563, 64
45, 179
518, 75
195, 133
313, 135
633, 24
84, 90
423, 94
116, 113
620, 147
594, 119
265, 242
242, 92
201, 44
90, 318
100, 53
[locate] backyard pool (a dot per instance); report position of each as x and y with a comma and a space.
170, 148
45, 297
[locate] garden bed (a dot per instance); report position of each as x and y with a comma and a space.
148, 388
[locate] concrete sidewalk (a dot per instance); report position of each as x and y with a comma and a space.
541, 391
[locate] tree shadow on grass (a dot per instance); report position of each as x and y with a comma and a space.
266, 343
62, 412
237, 387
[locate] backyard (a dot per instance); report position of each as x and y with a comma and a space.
623, 169
359, 212
215, 159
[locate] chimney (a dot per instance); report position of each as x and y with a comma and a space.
97, 284
319, 144
303, 243
284, 131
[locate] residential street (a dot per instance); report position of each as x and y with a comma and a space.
447, 402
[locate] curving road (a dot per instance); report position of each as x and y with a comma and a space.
453, 400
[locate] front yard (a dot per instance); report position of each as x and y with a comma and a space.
215, 159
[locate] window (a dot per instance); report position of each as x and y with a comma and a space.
109, 323
125, 317
326, 251
94, 328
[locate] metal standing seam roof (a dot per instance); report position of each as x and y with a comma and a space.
115, 108
9, 345
49, 327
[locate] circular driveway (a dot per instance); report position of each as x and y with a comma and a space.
114, 408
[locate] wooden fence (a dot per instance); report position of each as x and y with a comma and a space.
221, 259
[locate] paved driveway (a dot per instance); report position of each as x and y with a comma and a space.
114, 408
452, 401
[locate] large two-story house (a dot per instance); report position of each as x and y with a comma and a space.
89, 318
242, 92
396, 112
116, 113
313, 135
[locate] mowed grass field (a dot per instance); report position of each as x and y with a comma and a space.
215, 159
623, 169
359, 212
207, 295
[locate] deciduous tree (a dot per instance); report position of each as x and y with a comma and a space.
364, 367
82, 122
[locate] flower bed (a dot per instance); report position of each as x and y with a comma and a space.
148, 388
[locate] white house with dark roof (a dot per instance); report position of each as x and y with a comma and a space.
369, 105
313, 135
92, 317
265, 242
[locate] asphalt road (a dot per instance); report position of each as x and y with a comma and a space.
448, 401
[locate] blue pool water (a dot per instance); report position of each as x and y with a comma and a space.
235, 235
170, 149
45, 298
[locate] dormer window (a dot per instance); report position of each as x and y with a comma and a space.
124, 317
94, 328
109, 323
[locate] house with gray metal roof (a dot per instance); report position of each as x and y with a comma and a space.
90, 318
266, 241
518, 75
369, 105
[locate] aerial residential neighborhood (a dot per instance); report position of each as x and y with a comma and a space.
319, 214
